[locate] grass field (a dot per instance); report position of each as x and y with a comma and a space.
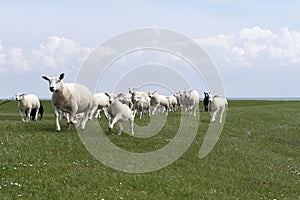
256, 157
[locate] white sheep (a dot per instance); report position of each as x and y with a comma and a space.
120, 113
26, 103
142, 105
100, 102
134, 93
157, 101
172, 103
216, 104
191, 101
72, 98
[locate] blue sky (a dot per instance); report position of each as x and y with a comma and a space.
254, 44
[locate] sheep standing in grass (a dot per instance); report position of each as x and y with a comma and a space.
206, 101
191, 100
157, 101
34, 110
172, 102
142, 105
100, 102
72, 98
26, 104
216, 104
120, 112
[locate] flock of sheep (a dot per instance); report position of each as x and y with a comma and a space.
78, 104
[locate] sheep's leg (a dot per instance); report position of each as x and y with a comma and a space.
36, 113
21, 114
115, 120
154, 109
221, 116
92, 112
120, 128
167, 110
195, 110
214, 116
28, 115
131, 125
98, 114
84, 120
56, 111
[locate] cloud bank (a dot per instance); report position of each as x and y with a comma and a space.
57, 53
253, 46
248, 47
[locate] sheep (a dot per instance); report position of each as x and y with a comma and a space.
191, 100
142, 105
120, 112
134, 93
172, 102
72, 98
216, 104
27, 103
205, 101
127, 99
33, 112
100, 102
157, 101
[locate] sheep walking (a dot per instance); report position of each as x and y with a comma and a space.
34, 110
72, 98
191, 101
157, 101
100, 102
142, 105
26, 103
206, 101
120, 113
217, 104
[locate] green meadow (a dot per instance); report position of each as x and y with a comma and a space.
256, 157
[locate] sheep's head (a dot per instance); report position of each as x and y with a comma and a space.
54, 82
113, 98
19, 96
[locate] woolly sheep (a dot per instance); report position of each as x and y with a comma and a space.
142, 105
34, 110
172, 102
206, 101
157, 101
72, 98
216, 104
191, 100
27, 103
120, 113
100, 102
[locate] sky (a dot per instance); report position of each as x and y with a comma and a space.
255, 45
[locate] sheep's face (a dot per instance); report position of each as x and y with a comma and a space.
19, 96
113, 98
210, 98
54, 83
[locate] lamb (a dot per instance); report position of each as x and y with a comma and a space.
134, 93
172, 102
142, 105
120, 112
206, 101
100, 102
157, 101
27, 103
33, 112
216, 104
72, 98
191, 100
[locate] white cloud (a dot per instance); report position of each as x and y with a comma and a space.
56, 53
249, 46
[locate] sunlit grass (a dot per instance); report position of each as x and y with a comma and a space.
257, 157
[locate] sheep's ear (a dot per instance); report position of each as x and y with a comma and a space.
61, 76
46, 78
107, 94
119, 95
